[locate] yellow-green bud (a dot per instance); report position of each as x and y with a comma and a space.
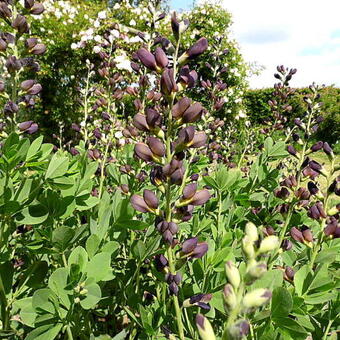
229, 296
269, 243
251, 231
248, 247
256, 270
83, 292
232, 274
204, 328
76, 300
256, 298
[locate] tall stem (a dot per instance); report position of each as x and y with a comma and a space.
169, 136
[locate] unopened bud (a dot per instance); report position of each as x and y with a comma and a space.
233, 275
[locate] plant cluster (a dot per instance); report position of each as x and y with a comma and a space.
150, 217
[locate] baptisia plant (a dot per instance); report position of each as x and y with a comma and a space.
167, 118
240, 298
18, 48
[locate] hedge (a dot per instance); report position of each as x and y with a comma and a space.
256, 102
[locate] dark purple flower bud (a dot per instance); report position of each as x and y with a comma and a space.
153, 118
327, 149
189, 245
5, 12
139, 121
307, 234
97, 133
199, 140
31, 42
20, 24
167, 237
175, 25
27, 84
180, 107
143, 152
286, 245
3, 45
162, 226
32, 129
75, 127
313, 212
37, 9
308, 172
177, 176
34, 90
25, 125
161, 58
13, 64
200, 197
150, 199
74, 151
187, 78
198, 48
161, 262
139, 204
173, 288
315, 166
38, 49
313, 189
296, 234
193, 113
317, 146
269, 231
291, 150
321, 210
282, 193
200, 250
173, 228
147, 59
189, 191
11, 108
298, 122
28, 4
156, 146
330, 229
289, 274
177, 278
2, 86
168, 83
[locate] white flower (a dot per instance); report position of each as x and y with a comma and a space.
116, 6
118, 134
102, 15
74, 46
132, 22
96, 49
96, 24
97, 38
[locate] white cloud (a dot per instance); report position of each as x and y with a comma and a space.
304, 34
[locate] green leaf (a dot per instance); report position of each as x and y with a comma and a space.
34, 148
58, 283
36, 273
43, 300
92, 244
58, 166
45, 332
34, 214
282, 302
301, 280
99, 266
79, 257
291, 326
327, 255
270, 280
62, 236
92, 297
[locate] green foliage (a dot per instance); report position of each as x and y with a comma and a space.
258, 110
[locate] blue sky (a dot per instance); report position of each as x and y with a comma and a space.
181, 4
304, 34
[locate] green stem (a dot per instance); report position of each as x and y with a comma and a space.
69, 332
